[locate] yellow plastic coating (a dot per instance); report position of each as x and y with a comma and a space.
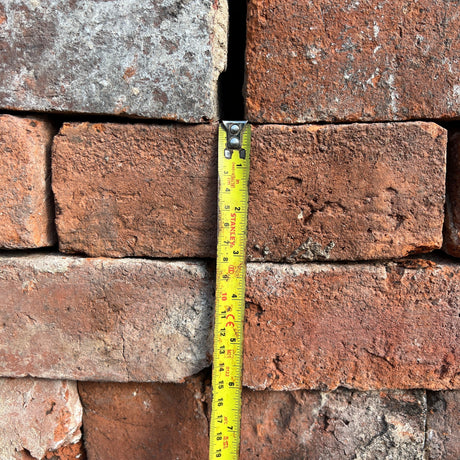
230, 291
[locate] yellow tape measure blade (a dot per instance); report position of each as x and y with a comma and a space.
233, 168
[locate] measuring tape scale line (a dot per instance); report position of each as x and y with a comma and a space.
233, 173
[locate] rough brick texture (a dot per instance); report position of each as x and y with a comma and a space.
339, 425
103, 319
136, 189
452, 223
145, 421
332, 60
38, 416
74, 451
359, 326
333, 192
156, 59
26, 217
443, 426
346, 192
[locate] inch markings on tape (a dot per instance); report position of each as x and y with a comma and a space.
233, 173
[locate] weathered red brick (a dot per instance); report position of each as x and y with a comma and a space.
136, 189
316, 192
38, 416
452, 224
332, 60
145, 421
322, 326
104, 319
26, 217
337, 425
346, 192
443, 426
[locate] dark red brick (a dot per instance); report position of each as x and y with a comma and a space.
145, 421
104, 319
337, 425
348, 192
138, 190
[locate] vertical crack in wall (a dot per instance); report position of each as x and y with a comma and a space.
232, 80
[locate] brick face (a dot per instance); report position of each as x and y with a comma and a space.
145, 421
359, 326
38, 416
157, 59
337, 425
351, 343
346, 192
452, 223
103, 319
315, 326
332, 192
26, 217
335, 61
143, 190
443, 426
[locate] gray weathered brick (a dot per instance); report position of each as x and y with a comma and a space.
157, 59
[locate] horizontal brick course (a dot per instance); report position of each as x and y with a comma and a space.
26, 214
316, 326
348, 192
103, 319
146, 421
347, 61
359, 326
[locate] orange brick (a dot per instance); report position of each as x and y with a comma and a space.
321, 326
347, 192
26, 216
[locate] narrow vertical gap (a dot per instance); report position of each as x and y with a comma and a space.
232, 80
56, 124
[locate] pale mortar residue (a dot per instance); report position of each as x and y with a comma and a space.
282, 271
393, 94
456, 94
29, 419
43, 263
376, 30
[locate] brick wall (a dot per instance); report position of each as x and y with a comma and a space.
108, 226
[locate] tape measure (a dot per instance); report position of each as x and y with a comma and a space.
233, 172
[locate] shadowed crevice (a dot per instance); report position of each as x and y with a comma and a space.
231, 81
